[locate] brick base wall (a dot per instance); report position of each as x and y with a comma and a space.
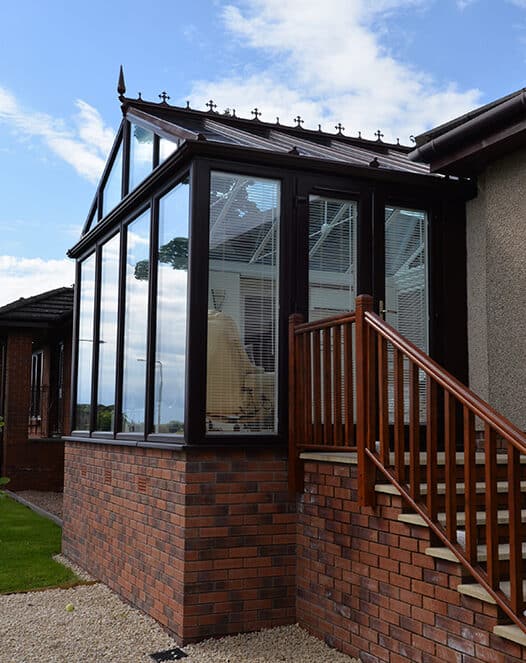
366, 586
203, 541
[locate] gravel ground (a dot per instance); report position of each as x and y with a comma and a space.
51, 502
37, 627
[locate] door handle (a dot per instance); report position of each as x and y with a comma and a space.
384, 310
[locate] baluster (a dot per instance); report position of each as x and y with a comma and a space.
515, 529
308, 386
450, 466
492, 538
431, 447
399, 443
327, 382
366, 470
470, 485
337, 384
383, 402
348, 403
316, 385
414, 431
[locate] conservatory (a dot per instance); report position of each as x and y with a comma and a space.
208, 230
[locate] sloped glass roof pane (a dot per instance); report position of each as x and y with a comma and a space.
166, 147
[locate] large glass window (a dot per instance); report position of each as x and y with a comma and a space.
243, 304
141, 154
172, 277
112, 193
135, 324
109, 291
85, 343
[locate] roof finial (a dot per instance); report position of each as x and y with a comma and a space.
121, 85
211, 106
256, 113
163, 96
340, 129
379, 135
298, 121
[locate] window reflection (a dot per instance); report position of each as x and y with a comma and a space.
171, 311
112, 193
85, 343
167, 147
243, 304
108, 334
135, 324
141, 154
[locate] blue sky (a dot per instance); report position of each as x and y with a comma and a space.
399, 65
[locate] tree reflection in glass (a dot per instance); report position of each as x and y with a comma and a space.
108, 334
135, 326
85, 343
170, 355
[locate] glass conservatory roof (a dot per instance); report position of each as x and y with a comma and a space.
157, 130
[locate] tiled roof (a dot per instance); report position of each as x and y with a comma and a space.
47, 308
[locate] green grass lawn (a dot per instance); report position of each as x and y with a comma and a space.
27, 543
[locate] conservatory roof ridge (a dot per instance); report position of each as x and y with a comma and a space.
170, 112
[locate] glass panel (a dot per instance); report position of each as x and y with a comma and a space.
167, 147
243, 304
170, 356
141, 154
406, 291
112, 193
109, 299
332, 256
135, 324
406, 273
85, 343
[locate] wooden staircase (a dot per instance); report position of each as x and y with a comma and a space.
356, 383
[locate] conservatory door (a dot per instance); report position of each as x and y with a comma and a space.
405, 301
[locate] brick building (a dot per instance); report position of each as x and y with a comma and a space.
35, 358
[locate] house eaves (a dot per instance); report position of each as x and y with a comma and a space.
464, 146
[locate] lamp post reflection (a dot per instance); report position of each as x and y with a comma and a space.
159, 363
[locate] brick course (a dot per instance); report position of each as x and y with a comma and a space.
203, 541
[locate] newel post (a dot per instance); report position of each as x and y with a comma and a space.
295, 473
366, 470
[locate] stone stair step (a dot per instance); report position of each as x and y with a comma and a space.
474, 590
449, 555
480, 487
511, 632
502, 518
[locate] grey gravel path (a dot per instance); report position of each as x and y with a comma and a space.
51, 502
35, 627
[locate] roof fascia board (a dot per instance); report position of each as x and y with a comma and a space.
473, 157
471, 131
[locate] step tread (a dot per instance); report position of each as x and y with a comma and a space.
510, 632
477, 591
502, 518
447, 554
480, 487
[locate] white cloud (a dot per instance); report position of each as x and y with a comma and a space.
83, 143
333, 65
462, 4
25, 277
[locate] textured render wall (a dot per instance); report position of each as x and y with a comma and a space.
202, 541
496, 246
366, 586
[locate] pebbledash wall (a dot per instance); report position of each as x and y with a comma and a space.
202, 540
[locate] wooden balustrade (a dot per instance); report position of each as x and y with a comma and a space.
356, 383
